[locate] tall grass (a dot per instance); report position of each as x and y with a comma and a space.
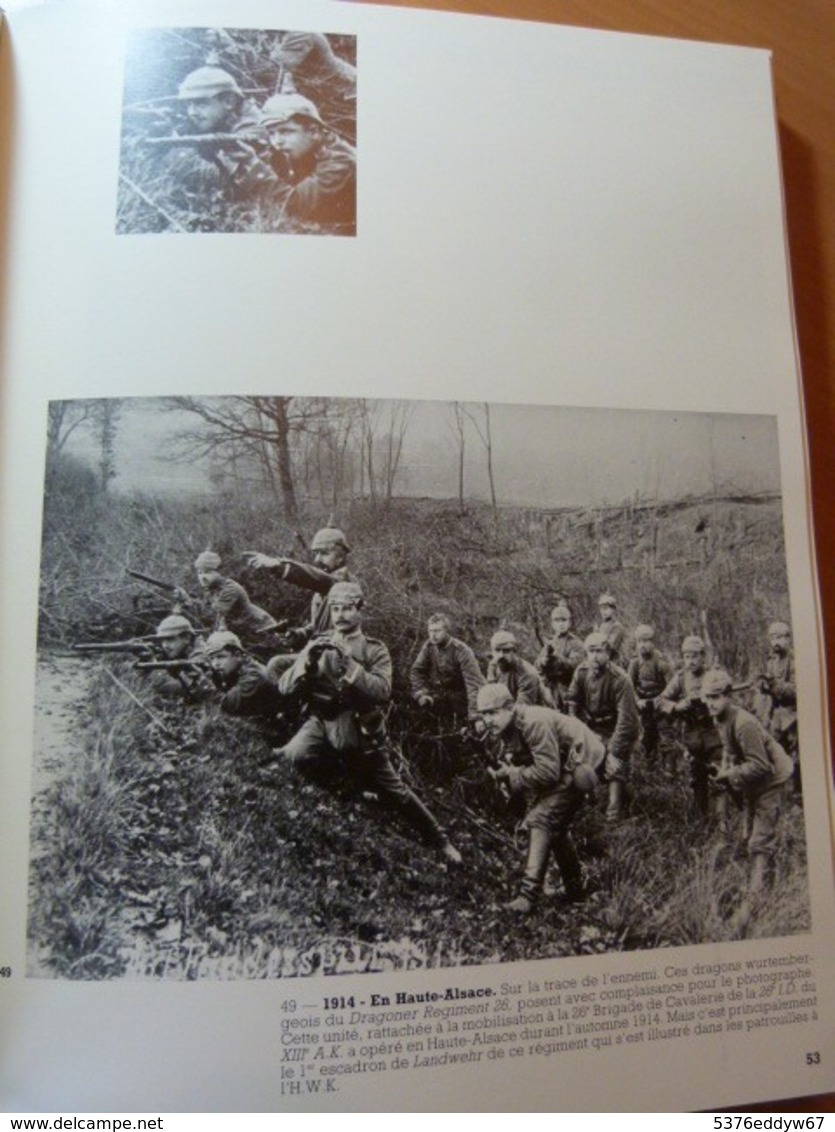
161, 852
155, 857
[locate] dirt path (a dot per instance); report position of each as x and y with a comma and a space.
61, 688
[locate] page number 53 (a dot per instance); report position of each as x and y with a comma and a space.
5, 972
813, 1058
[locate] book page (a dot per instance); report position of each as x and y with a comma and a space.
488, 325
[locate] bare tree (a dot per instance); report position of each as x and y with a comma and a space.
459, 430
383, 427
257, 428
105, 420
326, 453
482, 427
63, 418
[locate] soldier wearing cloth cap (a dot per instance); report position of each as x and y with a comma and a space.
315, 185
345, 679
229, 602
177, 640
445, 677
560, 656
519, 676
682, 701
649, 673
247, 690
551, 760
612, 629
755, 767
602, 697
779, 688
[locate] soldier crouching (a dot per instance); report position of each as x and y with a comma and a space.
551, 760
757, 769
344, 678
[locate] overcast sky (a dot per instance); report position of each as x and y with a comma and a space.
541, 456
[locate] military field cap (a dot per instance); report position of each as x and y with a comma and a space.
503, 637
221, 640
716, 681
283, 107
606, 599
644, 633
174, 625
207, 560
206, 82
328, 536
345, 591
595, 640
778, 627
492, 696
692, 644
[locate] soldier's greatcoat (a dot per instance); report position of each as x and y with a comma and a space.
450, 674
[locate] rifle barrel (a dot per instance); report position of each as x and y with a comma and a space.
113, 646
172, 140
168, 587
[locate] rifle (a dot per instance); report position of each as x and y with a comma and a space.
219, 141
555, 668
494, 754
138, 645
158, 583
166, 587
197, 663
194, 673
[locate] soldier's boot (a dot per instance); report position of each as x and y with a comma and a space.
530, 890
419, 817
614, 808
758, 878
570, 868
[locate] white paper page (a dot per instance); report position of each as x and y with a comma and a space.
545, 217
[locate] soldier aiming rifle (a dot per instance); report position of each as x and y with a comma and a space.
185, 671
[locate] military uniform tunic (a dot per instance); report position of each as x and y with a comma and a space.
522, 681
758, 769
450, 674
232, 609
347, 719
557, 664
605, 701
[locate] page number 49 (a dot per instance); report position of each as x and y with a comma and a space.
5, 972
813, 1058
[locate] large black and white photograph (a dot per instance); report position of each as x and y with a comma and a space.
238, 130
344, 685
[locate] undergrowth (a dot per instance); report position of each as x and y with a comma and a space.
163, 853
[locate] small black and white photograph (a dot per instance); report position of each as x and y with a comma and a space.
238, 130
342, 685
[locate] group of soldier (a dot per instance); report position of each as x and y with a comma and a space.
289, 154
555, 730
